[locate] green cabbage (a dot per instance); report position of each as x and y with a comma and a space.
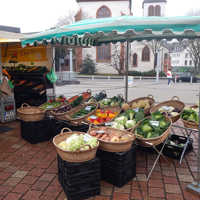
130, 124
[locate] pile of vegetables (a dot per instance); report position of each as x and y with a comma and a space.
51, 104
110, 102
102, 116
190, 114
169, 110
152, 127
109, 135
128, 119
100, 96
84, 111
75, 101
145, 104
77, 142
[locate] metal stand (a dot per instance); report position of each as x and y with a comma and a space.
195, 186
159, 154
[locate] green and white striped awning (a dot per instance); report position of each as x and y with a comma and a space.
94, 32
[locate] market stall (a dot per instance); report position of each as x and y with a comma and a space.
123, 29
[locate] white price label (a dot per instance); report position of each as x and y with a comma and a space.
154, 123
88, 108
108, 124
136, 109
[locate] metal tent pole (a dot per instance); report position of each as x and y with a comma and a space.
54, 66
195, 186
126, 71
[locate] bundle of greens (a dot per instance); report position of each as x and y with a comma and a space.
190, 114
152, 127
84, 111
128, 119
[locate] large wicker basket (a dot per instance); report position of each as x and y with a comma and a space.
77, 121
113, 109
76, 156
152, 141
114, 146
30, 113
190, 124
151, 100
174, 102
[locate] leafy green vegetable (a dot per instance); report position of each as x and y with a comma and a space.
190, 115
77, 101
130, 124
83, 112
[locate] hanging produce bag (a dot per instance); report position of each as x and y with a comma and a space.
51, 76
5, 88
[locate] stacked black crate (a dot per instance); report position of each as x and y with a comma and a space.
38, 131
118, 168
79, 180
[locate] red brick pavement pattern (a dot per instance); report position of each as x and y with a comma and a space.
29, 172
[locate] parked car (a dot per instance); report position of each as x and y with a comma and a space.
186, 77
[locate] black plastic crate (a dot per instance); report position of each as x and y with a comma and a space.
175, 151
82, 195
78, 168
118, 177
119, 158
60, 125
39, 131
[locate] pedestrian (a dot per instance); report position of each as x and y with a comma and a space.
169, 76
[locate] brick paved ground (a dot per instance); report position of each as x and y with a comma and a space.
29, 172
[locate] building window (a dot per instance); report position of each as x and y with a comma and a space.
135, 61
146, 54
103, 12
185, 62
157, 11
103, 53
151, 11
190, 62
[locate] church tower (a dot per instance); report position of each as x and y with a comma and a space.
154, 8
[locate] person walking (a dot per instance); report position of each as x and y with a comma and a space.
169, 76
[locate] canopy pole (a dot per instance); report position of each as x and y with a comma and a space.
195, 186
70, 64
126, 70
54, 68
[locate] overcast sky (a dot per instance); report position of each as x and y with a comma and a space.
38, 15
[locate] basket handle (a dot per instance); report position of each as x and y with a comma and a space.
25, 105
175, 98
62, 131
150, 96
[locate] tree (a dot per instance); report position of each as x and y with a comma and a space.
88, 66
194, 51
117, 59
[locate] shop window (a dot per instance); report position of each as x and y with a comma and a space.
146, 54
135, 61
103, 53
157, 11
151, 11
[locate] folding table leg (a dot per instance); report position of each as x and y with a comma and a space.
159, 154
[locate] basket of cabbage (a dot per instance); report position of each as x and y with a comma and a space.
190, 117
75, 146
152, 130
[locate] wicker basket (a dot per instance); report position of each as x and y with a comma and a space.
152, 141
30, 113
77, 121
189, 124
151, 100
174, 102
114, 146
113, 109
60, 114
76, 156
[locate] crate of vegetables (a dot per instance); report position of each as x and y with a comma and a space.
190, 117
74, 146
172, 108
111, 139
152, 130
78, 114
103, 116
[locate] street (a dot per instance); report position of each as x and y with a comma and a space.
187, 92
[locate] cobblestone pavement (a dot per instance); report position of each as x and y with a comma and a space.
29, 172
187, 92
